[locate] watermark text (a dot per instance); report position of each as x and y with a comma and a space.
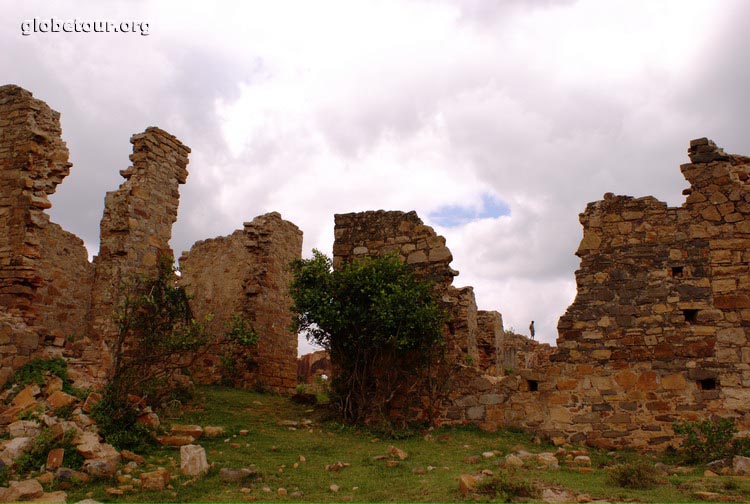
53, 25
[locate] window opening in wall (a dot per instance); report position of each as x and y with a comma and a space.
707, 384
691, 316
533, 385
678, 271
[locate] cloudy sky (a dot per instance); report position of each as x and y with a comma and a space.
497, 121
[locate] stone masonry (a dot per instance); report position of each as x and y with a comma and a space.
44, 271
658, 332
137, 222
247, 274
53, 301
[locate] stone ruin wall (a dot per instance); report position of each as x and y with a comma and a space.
313, 365
44, 271
478, 350
137, 223
53, 301
658, 331
247, 274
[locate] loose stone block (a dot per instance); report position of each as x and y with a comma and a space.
193, 460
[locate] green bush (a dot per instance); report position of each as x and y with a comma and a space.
157, 339
708, 440
118, 424
635, 475
381, 327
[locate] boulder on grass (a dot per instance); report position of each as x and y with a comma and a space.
193, 460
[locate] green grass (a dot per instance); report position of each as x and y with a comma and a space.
272, 450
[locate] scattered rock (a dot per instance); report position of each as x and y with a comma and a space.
46, 478
60, 399
193, 460
419, 470
26, 397
91, 401
741, 465
488, 454
231, 475
100, 468
71, 476
336, 467
212, 431
24, 428
149, 419
281, 491
707, 496
513, 461
194, 431
716, 465
392, 463
244, 432
467, 483
474, 459
548, 460
334, 488
25, 490
152, 481
397, 452
582, 461
175, 440
14, 448
709, 474
129, 455
58, 496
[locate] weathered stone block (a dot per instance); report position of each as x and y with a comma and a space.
193, 460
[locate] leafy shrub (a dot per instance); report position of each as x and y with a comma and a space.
708, 440
381, 327
506, 486
157, 338
118, 424
636, 475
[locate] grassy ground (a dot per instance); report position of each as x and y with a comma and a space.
430, 473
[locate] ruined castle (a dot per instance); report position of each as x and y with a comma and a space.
657, 332
54, 302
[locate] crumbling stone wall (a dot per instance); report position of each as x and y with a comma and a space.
490, 339
658, 330
137, 222
45, 275
247, 274
377, 233
313, 365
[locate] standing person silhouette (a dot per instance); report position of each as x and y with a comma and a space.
531, 329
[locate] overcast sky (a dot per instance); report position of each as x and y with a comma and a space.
497, 121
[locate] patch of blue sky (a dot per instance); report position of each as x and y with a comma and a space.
458, 215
